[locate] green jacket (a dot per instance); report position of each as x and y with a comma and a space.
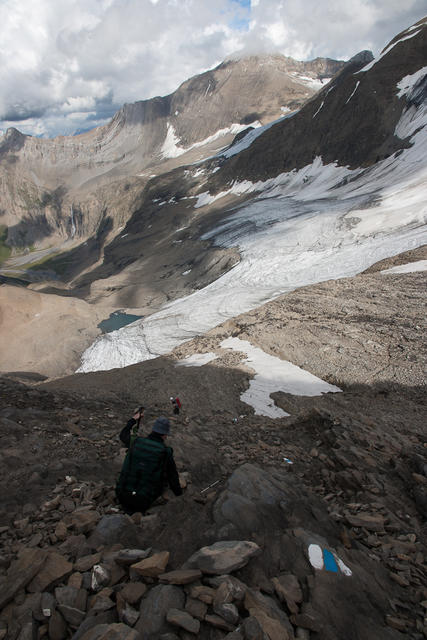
148, 467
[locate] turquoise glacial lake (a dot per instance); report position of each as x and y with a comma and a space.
117, 320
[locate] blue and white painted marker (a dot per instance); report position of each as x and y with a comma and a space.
325, 559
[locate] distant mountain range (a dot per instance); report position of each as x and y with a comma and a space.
42, 178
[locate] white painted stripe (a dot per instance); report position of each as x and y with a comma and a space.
345, 570
316, 556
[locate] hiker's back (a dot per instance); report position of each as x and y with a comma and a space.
143, 469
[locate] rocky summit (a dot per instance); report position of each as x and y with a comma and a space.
273, 276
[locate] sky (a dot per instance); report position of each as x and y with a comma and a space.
69, 65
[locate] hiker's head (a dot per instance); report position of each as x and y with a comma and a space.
161, 426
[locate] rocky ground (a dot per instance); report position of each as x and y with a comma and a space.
74, 565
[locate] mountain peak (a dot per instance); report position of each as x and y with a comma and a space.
363, 57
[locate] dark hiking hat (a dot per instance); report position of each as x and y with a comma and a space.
162, 426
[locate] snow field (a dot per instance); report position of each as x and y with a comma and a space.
271, 374
411, 267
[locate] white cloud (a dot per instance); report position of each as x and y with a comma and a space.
64, 59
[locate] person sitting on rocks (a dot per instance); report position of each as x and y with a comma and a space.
148, 467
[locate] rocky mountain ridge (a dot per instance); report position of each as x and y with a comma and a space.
43, 178
363, 98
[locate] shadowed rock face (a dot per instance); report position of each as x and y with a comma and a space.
351, 122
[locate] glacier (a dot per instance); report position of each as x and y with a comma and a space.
319, 223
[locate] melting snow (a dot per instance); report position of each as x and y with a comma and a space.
197, 360
312, 83
249, 138
408, 82
171, 148
353, 92
411, 267
273, 374
321, 105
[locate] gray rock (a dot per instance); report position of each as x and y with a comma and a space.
227, 611
196, 608
229, 588
117, 631
55, 569
32, 604
183, 620
71, 597
73, 616
100, 577
29, 631
130, 615
223, 557
254, 499
108, 617
20, 573
126, 557
113, 529
57, 627
234, 635
47, 604
154, 608
252, 629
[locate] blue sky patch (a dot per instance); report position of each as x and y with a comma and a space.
243, 14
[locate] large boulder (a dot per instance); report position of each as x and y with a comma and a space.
152, 621
223, 557
114, 529
20, 573
55, 570
254, 499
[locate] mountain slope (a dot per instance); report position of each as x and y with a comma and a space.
345, 472
302, 226
352, 122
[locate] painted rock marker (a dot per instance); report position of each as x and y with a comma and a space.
325, 559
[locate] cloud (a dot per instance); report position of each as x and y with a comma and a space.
70, 64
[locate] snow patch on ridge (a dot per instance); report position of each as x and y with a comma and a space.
249, 138
197, 359
171, 148
407, 83
273, 374
415, 31
410, 267
353, 92
307, 81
